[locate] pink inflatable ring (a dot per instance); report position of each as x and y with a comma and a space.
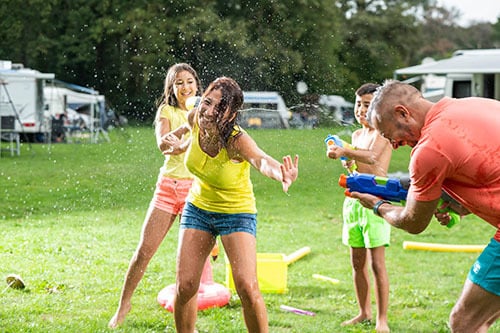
210, 294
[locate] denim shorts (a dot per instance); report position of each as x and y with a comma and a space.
217, 223
486, 270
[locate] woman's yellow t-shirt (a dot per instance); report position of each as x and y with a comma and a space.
174, 164
220, 185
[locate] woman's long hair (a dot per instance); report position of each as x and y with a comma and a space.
227, 109
168, 96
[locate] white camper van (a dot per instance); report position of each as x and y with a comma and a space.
264, 109
337, 109
22, 99
467, 73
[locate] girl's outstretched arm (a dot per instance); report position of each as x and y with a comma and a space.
244, 147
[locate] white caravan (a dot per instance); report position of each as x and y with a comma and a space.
22, 100
267, 100
466, 73
337, 109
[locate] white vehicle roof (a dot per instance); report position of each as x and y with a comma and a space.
71, 95
7, 69
462, 61
334, 100
270, 96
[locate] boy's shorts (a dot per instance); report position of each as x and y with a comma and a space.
362, 228
170, 194
217, 223
486, 270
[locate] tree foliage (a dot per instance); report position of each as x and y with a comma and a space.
123, 48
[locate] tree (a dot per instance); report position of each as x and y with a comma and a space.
379, 38
122, 48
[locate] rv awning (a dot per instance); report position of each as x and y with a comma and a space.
463, 62
75, 87
27, 73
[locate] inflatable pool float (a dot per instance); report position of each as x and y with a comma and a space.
210, 294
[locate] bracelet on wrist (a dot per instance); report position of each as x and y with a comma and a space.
377, 206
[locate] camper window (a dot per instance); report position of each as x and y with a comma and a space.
461, 89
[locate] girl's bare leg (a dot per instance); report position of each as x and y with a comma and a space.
194, 248
156, 225
240, 248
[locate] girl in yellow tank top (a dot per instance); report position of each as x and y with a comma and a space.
221, 201
221, 184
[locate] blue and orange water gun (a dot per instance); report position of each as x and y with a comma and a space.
391, 189
336, 140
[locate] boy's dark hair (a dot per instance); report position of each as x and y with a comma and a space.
367, 88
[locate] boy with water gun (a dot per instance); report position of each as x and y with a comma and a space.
366, 234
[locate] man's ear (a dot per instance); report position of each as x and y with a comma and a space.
401, 111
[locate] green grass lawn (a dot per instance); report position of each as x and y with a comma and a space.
71, 215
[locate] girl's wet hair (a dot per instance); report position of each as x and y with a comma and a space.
227, 109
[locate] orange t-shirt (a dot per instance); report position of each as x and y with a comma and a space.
459, 151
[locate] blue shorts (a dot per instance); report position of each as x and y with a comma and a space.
217, 223
486, 270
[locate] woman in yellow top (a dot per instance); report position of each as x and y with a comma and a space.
221, 201
174, 181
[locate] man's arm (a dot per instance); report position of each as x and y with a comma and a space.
414, 217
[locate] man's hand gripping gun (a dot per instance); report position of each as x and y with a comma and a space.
391, 189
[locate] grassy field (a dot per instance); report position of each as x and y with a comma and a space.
71, 215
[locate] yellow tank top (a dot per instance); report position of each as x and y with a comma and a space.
220, 185
174, 164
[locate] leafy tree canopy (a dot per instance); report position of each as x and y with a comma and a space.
123, 48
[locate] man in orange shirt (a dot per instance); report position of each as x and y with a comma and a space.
455, 148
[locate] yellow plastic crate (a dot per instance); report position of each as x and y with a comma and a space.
272, 270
